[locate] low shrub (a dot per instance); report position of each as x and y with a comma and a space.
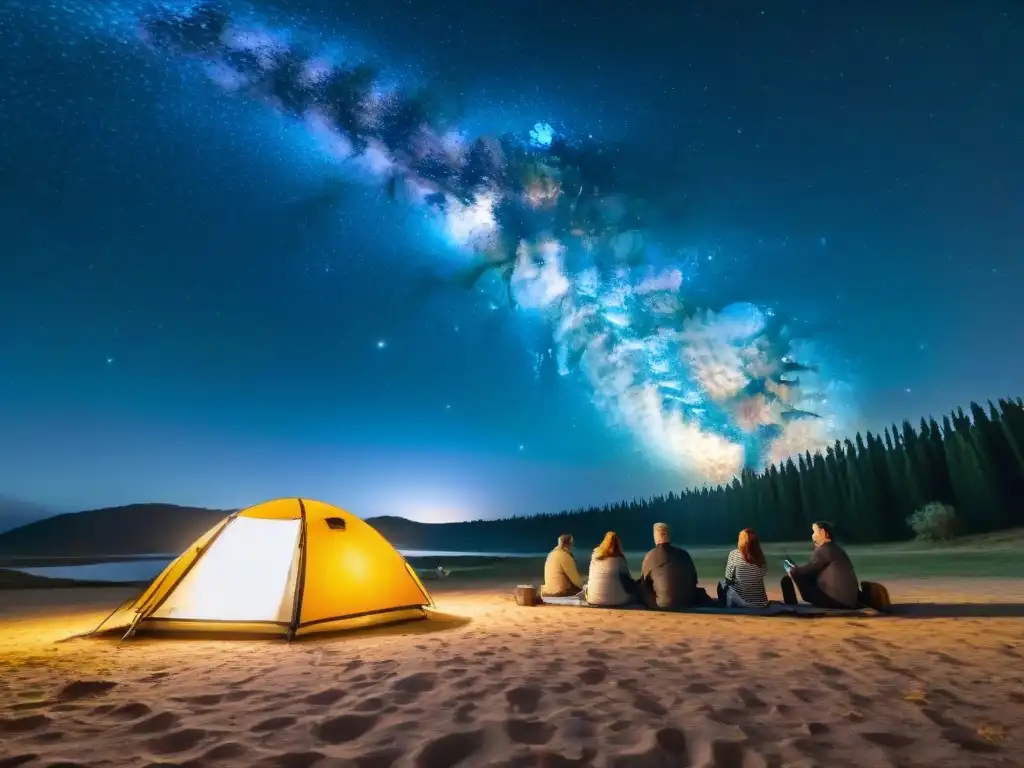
935, 521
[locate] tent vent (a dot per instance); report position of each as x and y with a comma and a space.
335, 523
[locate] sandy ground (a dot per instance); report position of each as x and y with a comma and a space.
510, 686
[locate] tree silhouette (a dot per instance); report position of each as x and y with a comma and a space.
867, 486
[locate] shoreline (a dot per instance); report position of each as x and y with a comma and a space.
11, 580
59, 561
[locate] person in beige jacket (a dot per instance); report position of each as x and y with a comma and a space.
561, 576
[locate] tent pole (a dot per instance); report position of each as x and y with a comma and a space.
153, 605
300, 576
105, 620
131, 628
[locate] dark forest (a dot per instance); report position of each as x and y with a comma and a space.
968, 466
866, 486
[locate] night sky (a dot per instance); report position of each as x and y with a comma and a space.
197, 306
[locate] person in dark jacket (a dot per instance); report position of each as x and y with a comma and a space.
827, 580
668, 577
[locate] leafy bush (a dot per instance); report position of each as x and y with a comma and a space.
935, 521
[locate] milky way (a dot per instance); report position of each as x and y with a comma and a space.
706, 390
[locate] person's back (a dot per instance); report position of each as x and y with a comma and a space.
744, 582
837, 578
828, 579
561, 576
609, 574
743, 586
669, 573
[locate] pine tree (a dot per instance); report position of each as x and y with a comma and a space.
904, 485
791, 501
1012, 420
917, 456
860, 506
890, 519
827, 493
859, 524
976, 503
768, 487
868, 485
808, 496
940, 472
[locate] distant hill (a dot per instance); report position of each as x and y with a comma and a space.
533, 534
15, 512
17, 580
139, 529
516, 535
135, 529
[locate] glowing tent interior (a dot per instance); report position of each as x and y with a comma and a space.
288, 567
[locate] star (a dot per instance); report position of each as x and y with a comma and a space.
110, 361
381, 344
521, 447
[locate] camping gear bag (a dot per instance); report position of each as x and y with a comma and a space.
876, 596
526, 595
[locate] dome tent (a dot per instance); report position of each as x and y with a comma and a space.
287, 567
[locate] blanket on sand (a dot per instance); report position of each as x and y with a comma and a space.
773, 609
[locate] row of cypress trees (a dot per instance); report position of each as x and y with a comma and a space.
867, 486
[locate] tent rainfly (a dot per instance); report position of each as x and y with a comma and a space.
289, 567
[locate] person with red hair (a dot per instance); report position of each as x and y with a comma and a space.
743, 586
609, 582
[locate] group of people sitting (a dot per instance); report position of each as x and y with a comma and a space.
668, 576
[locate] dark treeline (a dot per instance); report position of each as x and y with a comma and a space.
866, 486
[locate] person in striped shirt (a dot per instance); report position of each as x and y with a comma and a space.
743, 586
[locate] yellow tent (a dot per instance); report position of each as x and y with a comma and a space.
289, 567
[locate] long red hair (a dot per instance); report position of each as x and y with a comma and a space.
749, 546
610, 546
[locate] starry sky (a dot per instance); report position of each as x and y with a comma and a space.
194, 310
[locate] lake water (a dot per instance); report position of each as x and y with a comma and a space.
150, 568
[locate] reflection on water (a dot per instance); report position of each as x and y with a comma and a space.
129, 570
149, 569
447, 553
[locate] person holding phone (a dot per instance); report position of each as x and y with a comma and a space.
828, 579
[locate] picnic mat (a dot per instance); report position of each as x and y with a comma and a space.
773, 609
